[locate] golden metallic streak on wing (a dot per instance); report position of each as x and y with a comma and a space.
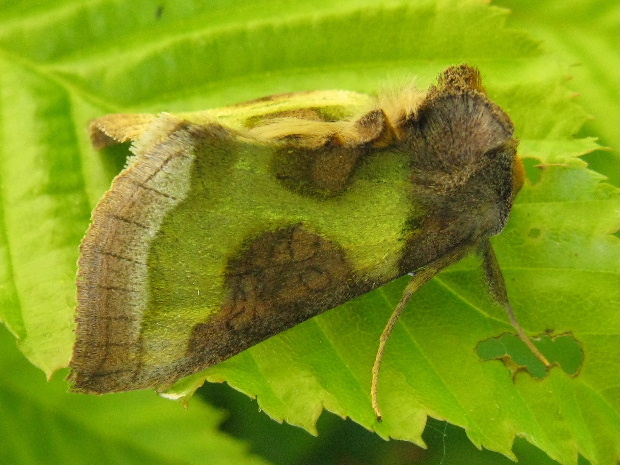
123, 127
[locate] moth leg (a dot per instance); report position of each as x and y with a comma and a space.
419, 279
497, 289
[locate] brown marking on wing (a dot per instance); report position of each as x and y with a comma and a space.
321, 173
326, 168
271, 98
278, 280
306, 114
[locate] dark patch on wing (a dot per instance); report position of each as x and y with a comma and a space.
320, 173
328, 170
327, 114
278, 280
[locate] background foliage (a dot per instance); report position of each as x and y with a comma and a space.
64, 62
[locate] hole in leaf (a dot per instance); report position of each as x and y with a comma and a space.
563, 350
599, 161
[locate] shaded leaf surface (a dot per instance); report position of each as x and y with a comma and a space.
130, 428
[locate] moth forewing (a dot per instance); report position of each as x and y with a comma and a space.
114, 129
235, 224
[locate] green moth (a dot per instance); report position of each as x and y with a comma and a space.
229, 226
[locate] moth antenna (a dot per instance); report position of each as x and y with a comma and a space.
419, 279
524, 337
497, 289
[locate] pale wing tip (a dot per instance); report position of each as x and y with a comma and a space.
118, 128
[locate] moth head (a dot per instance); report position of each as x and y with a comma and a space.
464, 155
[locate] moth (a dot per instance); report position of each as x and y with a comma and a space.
229, 226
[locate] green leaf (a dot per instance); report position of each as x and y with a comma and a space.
63, 63
42, 423
592, 54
